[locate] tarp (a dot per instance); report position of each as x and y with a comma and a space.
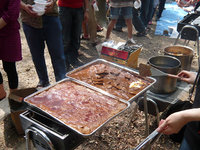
171, 15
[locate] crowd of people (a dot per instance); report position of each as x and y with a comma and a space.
60, 30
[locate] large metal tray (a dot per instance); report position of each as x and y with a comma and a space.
40, 110
124, 68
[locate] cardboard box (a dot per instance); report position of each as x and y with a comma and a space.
20, 94
16, 121
127, 58
17, 106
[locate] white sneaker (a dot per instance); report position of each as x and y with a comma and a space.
131, 41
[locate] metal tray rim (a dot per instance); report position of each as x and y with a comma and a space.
121, 67
83, 84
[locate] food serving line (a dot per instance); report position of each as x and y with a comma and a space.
46, 121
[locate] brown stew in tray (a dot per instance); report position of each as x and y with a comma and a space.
114, 80
77, 106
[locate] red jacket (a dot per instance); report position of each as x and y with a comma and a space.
70, 3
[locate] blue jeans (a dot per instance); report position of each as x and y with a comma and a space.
71, 20
51, 34
184, 145
137, 22
120, 22
126, 12
146, 11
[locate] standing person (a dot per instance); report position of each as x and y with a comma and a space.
146, 11
125, 6
191, 117
120, 23
10, 42
138, 23
72, 13
40, 30
161, 7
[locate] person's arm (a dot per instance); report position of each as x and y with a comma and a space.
86, 7
189, 3
173, 123
28, 8
10, 14
50, 5
2, 23
187, 76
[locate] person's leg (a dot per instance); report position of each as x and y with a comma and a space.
35, 40
65, 15
160, 9
127, 12
154, 10
150, 12
2, 91
71, 20
144, 11
53, 36
184, 145
138, 24
120, 23
10, 69
130, 28
110, 28
85, 35
76, 28
99, 28
114, 15
92, 25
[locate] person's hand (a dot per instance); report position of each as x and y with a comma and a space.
172, 124
86, 16
180, 3
187, 76
29, 9
49, 6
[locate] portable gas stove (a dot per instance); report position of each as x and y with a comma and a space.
163, 100
47, 133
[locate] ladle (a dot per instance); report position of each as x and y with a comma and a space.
147, 70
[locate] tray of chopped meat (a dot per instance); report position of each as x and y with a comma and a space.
78, 106
120, 81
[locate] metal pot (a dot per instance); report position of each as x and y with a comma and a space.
167, 64
183, 53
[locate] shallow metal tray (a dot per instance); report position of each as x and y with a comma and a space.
35, 108
124, 68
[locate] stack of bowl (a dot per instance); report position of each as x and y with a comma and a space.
39, 6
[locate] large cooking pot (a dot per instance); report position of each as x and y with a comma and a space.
167, 64
183, 53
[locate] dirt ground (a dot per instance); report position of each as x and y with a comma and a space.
125, 131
